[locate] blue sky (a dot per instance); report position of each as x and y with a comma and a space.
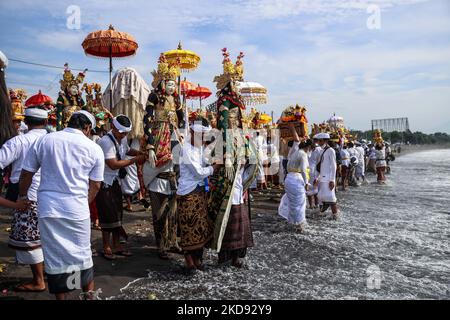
317, 53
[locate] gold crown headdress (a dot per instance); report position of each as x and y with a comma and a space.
231, 72
18, 94
165, 71
69, 79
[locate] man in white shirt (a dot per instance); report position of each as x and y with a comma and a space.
195, 225
313, 159
327, 175
261, 148
345, 166
24, 236
354, 162
361, 167
71, 171
163, 200
109, 199
372, 158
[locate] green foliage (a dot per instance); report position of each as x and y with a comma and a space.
408, 136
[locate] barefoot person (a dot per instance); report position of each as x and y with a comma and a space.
360, 171
24, 236
380, 162
71, 171
345, 166
293, 203
313, 189
195, 225
327, 175
109, 198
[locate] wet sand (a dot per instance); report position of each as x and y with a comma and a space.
330, 260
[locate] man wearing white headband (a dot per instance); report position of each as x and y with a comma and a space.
71, 168
192, 204
326, 170
313, 159
24, 236
109, 199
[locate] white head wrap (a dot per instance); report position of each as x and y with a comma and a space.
322, 135
199, 128
89, 116
3, 60
36, 113
120, 127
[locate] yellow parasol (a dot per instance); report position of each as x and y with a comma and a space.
110, 44
187, 59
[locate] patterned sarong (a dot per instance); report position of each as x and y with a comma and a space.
195, 225
164, 213
24, 229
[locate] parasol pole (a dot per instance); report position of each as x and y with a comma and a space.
110, 79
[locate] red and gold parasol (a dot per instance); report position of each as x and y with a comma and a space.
110, 44
185, 86
198, 93
38, 100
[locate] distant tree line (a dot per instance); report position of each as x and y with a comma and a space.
408, 136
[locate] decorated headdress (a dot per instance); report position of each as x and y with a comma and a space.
97, 87
231, 72
17, 97
165, 71
69, 79
378, 137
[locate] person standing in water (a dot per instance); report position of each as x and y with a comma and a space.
293, 203
327, 168
380, 163
313, 159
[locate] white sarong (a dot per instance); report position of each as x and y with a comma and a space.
325, 195
359, 170
66, 244
313, 190
130, 185
29, 257
293, 203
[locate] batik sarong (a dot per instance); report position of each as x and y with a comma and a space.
196, 227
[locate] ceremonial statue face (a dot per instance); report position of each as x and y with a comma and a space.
73, 90
170, 87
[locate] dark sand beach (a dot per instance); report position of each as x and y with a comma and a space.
401, 228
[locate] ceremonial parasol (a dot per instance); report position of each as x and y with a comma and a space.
198, 92
38, 100
110, 44
252, 93
185, 86
265, 118
187, 60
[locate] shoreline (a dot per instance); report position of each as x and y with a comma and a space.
111, 276
407, 149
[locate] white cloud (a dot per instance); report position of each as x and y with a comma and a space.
317, 53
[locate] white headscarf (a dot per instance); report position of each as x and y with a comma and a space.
3, 60
120, 127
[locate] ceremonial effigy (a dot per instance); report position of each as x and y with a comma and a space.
129, 95
237, 148
164, 113
17, 96
70, 97
95, 105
